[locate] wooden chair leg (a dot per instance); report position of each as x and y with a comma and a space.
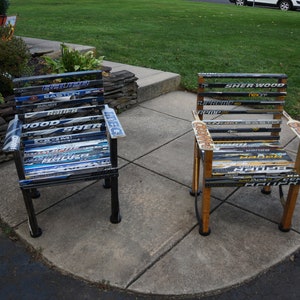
266, 190
289, 208
207, 173
35, 231
204, 226
196, 169
115, 206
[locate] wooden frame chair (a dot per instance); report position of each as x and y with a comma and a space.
63, 133
237, 124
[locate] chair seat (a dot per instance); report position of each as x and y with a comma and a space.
254, 164
54, 162
251, 159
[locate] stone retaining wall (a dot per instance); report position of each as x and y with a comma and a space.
120, 93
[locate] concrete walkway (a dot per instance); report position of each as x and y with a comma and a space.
156, 249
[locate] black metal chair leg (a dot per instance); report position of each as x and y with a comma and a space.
35, 230
35, 193
107, 183
115, 207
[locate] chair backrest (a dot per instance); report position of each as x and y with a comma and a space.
62, 111
234, 106
54, 97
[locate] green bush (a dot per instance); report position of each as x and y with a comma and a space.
14, 57
73, 60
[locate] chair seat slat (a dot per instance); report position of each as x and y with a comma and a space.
69, 177
290, 179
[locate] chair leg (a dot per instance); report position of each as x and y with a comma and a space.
34, 229
204, 225
115, 207
107, 183
266, 190
207, 173
289, 208
34, 193
196, 169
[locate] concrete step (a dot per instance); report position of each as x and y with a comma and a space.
152, 83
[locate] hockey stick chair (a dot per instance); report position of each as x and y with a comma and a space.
237, 125
63, 133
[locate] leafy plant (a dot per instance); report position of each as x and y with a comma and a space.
14, 57
72, 60
7, 32
1, 99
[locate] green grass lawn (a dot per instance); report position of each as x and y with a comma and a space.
179, 36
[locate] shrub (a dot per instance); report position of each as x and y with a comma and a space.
4, 4
14, 57
73, 60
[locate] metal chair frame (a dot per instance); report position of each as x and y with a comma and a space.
63, 133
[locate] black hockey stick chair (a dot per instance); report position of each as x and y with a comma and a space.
63, 133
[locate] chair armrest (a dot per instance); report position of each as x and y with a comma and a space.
13, 136
203, 137
112, 123
293, 124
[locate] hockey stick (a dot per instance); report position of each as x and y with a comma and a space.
57, 112
249, 144
236, 130
244, 85
62, 148
249, 111
44, 161
62, 130
13, 134
242, 122
293, 124
56, 86
59, 102
63, 139
66, 178
75, 93
61, 122
266, 181
251, 156
202, 135
57, 170
241, 94
238, 102
243, 170
114, 127
242, 75
241, 139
